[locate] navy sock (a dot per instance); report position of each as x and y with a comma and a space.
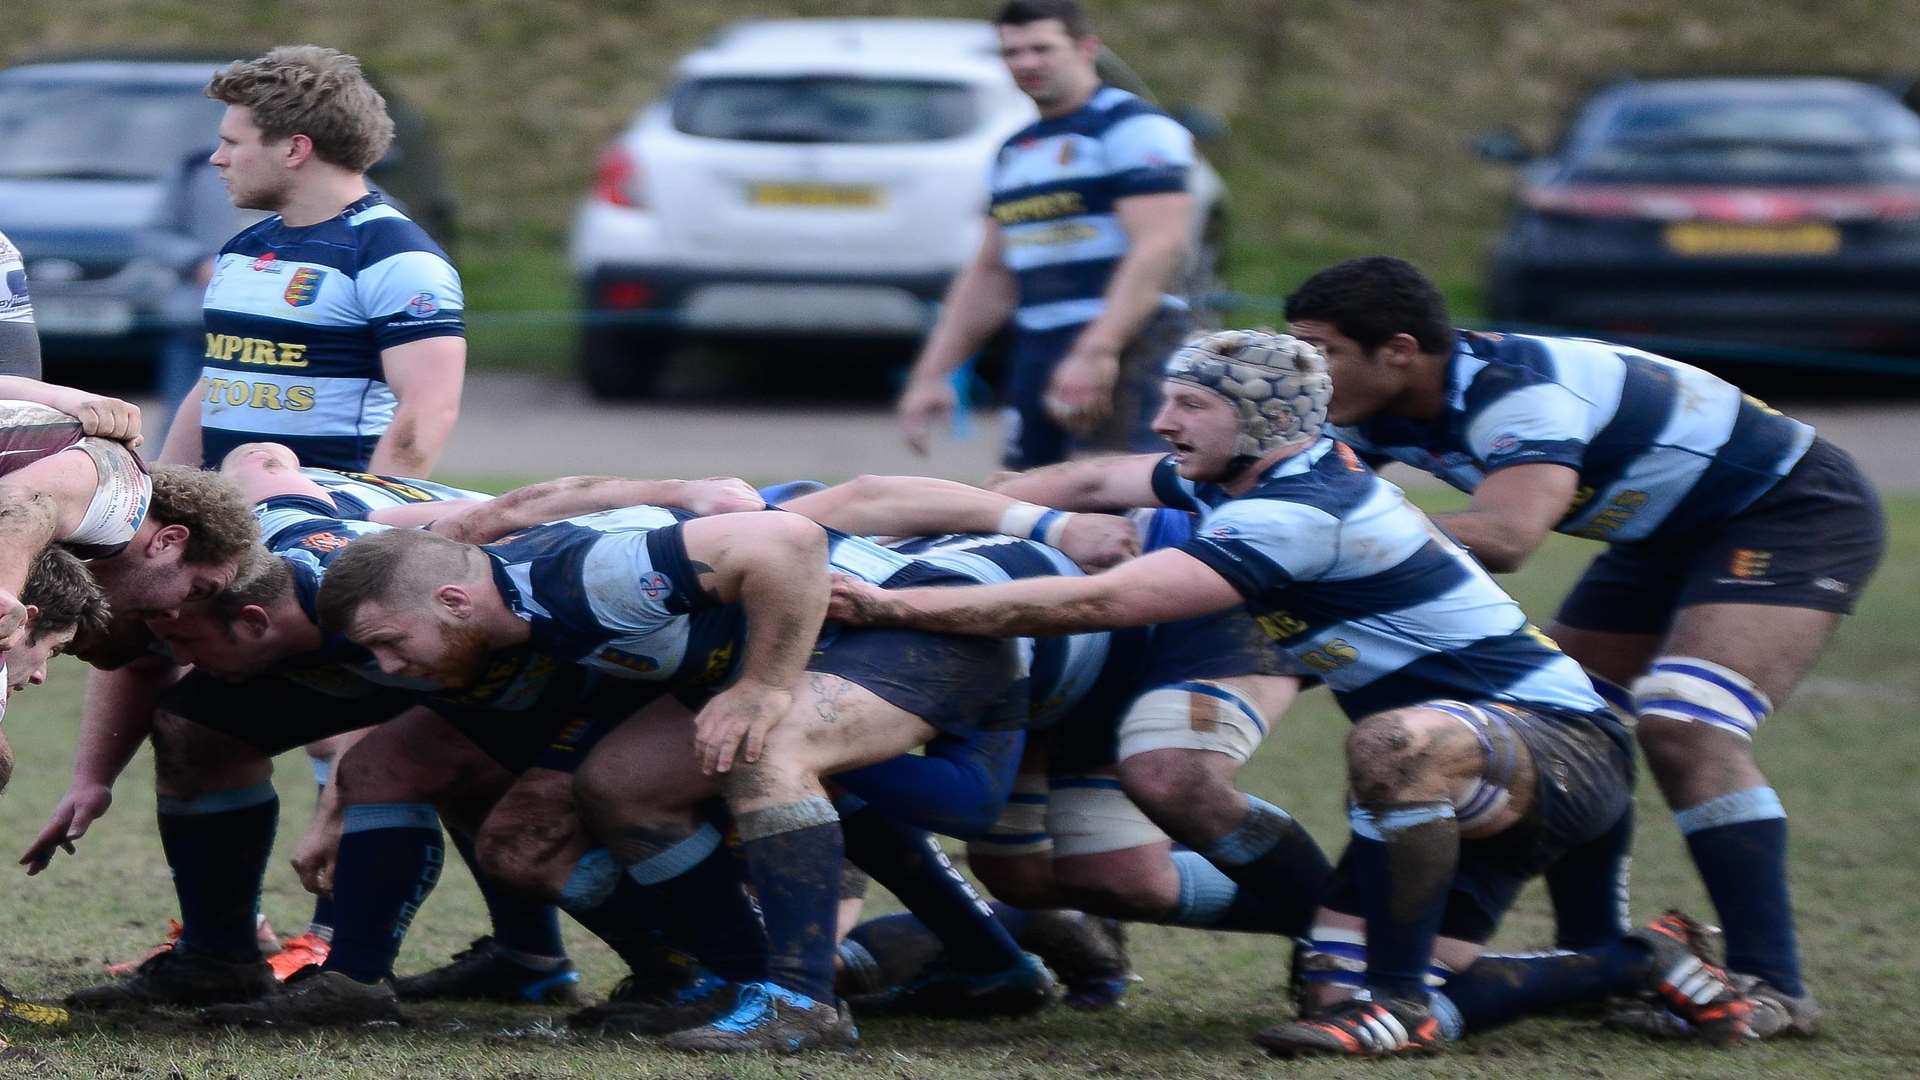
217, 847
1211, 900
1403, 857
390, 858
1500, 989
886, 952
1276, 860
519, 924
1739, 843
793, 853
1013, 918
1589, 888
910, 864
616, 909
696, 887
956, 788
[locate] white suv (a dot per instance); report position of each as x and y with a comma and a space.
803, 177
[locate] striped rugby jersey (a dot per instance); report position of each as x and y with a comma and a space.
358, 494
1054, 186
1662, 448
296, 319
1353, 581
615, 591
16, 303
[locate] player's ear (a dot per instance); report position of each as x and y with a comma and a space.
168, 536
455, 599
1400, 350
253, 618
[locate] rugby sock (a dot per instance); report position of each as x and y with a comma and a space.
1500, 989
390, 857
1273, 857
527, 930
884, 952
793, 853
909, 863
696, 887
1013, 918
1211, 900
615, 908
956, 788
1739, 844
1589, 888
217, 847
1402, 856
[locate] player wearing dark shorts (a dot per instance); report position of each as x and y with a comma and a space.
1470, 727
1736, 539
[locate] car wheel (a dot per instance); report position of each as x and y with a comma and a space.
623, 363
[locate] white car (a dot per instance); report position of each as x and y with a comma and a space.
805, 178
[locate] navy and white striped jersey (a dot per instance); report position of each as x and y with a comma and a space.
296, 319
1054, 186
1662, 448
1357, 584
357, 494
1061, 668
616, 591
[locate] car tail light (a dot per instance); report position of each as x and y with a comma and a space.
617, 179
627, 295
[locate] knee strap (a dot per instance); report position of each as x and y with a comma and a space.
1490, 791
1692, 690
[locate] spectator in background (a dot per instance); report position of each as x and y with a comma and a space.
19, 342
1087, 225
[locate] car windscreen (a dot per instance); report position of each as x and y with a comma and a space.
1773, 141
62, 129
817, 109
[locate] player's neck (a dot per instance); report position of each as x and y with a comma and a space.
322, 196
1247, 480
1072, 102
1425, 396
502, 627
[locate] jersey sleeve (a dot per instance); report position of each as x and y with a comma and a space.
16, 306
637, 582
1259, 545
1174, 490
410, 296
1533, 423
1150, 154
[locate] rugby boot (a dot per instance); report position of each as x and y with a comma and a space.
1691, 987
263, 936
1776, 1013
770, 1018
1088, 953
1358, 1028
313, 997
637, 1007
15, 1009
298, 952
485, 972
1021, 989
179, 977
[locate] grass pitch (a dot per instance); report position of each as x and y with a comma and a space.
1844, 754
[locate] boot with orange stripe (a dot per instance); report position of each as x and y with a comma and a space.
1359, 1028
1690, 986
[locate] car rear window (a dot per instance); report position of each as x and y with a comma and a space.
824, 110
61, 129
1780, 140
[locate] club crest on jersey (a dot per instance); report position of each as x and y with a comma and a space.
267, 264
304, 289
655, 585
422, 305
326, 541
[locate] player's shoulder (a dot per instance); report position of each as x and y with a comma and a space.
1111, 105
379, 230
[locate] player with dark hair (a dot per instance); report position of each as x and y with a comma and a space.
1736, 540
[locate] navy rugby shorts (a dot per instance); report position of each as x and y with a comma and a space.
1812, 541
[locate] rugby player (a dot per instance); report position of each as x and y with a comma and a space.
640, 593
1087, 226
1470, 727
1736, 540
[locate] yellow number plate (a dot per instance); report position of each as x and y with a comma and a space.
1704, 238
826, 196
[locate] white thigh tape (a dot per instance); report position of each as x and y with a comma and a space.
1090, 815
1022, 826
1700, 691
1197, 715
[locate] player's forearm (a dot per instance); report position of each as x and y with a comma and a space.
116, 717
1491, 539
904, 506
1134, 293
26, 388
413, 442
554, 500
1014, 609
781, 582
1102, 483
979, 302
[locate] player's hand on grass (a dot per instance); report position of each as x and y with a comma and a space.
1080, 394
741, 714
722, 495
1097, 542
925, 405
858, 603
79, 808
13, 621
